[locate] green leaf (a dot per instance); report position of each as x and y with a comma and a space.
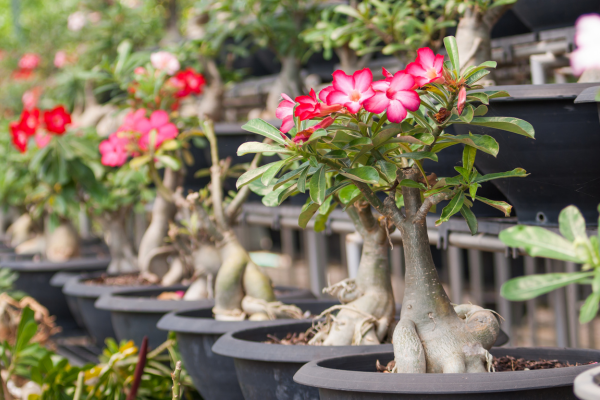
470, 218
412, 184
485, 143
467, 114
302, 180
364, 141
263, 128
477, 76
481, 110
509, 124
478, 96
291, 175
318, 186
258, 147
419, 155
452, 208
251, 175
276, 197
308, 210
589, 309
386, 134
500, 205
572, 223
270, 173
388, 170
138, 162
472, 70
452, 50
321, 219
169, 161
468, 157
530, 286
348, 193
515, 173
362, 174
494, 94
336, 154
348, 10
539, 242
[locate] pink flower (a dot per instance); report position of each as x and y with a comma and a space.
114, 150
42, 138
159, 121
60, 59
165, 61
388, 75
587, 38
30, 98
462, 99
304, 135
396, 96
76, 21
29, 61
131, 120
351, 91
139, 71
285, 112
326, 92
427, 68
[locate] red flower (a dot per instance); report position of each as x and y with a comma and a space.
395, 95
304, 135
351, 91
21, 74
192, 82
309, 107
285, 112
19, 136
462, 99
30, 120
159, 121
114, 150
57, 120
427, 68
326, 92
29, 61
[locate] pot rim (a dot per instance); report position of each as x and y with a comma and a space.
74, 264
584, 386
232, 345
173, 321
126, 301
553, 91
323, 374
76, 287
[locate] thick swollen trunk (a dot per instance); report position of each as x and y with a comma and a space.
350, 62
288, 82
211, 104
368, 307
433, 336
473, 36
150, 257
123, 257
62, 243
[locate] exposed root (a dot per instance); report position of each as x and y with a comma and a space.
345, 290
273, 309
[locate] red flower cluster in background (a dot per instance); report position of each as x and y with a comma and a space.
188, 82
133, 136
53, 121
348, 94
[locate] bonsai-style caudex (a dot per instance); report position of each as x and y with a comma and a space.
368, 308
366, 137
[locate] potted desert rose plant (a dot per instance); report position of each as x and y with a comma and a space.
372, 136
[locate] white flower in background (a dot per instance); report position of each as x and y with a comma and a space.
165, 61
76, 21
587, 39
60, 59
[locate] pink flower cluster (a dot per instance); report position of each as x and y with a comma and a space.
133, 136
350, 93
587, 35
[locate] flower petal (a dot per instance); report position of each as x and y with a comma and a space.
381, 86
342, 82
425, 57
396, 112
337, 97
378, 103
402, 81
287, 124
324, 93
159, 118
438, 64
363, 79
409, 99
353, 106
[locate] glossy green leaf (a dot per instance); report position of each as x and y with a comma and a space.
452, 50
470, 218
515, 173
362, 174
388, 170
480, 111
539, 242
348, 193
274, 198
290, 175
500, 205
589, 309
467, 114
308, 210
478, 96
452, 208
302, 180
477, 76
412, 184
419, 155
485, 143
263, 128
530, 286
251, 175
364, 141
336, 154
270, 173
170, 162
316, 135
258, 147
386, 134
321, 219
572, 223
318, 185
509, 124
468, 157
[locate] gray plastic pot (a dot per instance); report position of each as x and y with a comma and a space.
197, 331
35, 276
354, 378
266, 371
587, 384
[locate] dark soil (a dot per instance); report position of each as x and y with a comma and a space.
503, 364
132, 279
295, 338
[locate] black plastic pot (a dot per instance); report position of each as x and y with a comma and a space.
213, 375
547, 14
561, 161
354, 377
35, 276
266, 371
136, 312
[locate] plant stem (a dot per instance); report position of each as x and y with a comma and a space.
139, 369
79, 385
176, 375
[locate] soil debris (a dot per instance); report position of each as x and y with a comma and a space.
301, 338
133, 279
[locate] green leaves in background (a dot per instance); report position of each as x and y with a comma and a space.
530, 286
